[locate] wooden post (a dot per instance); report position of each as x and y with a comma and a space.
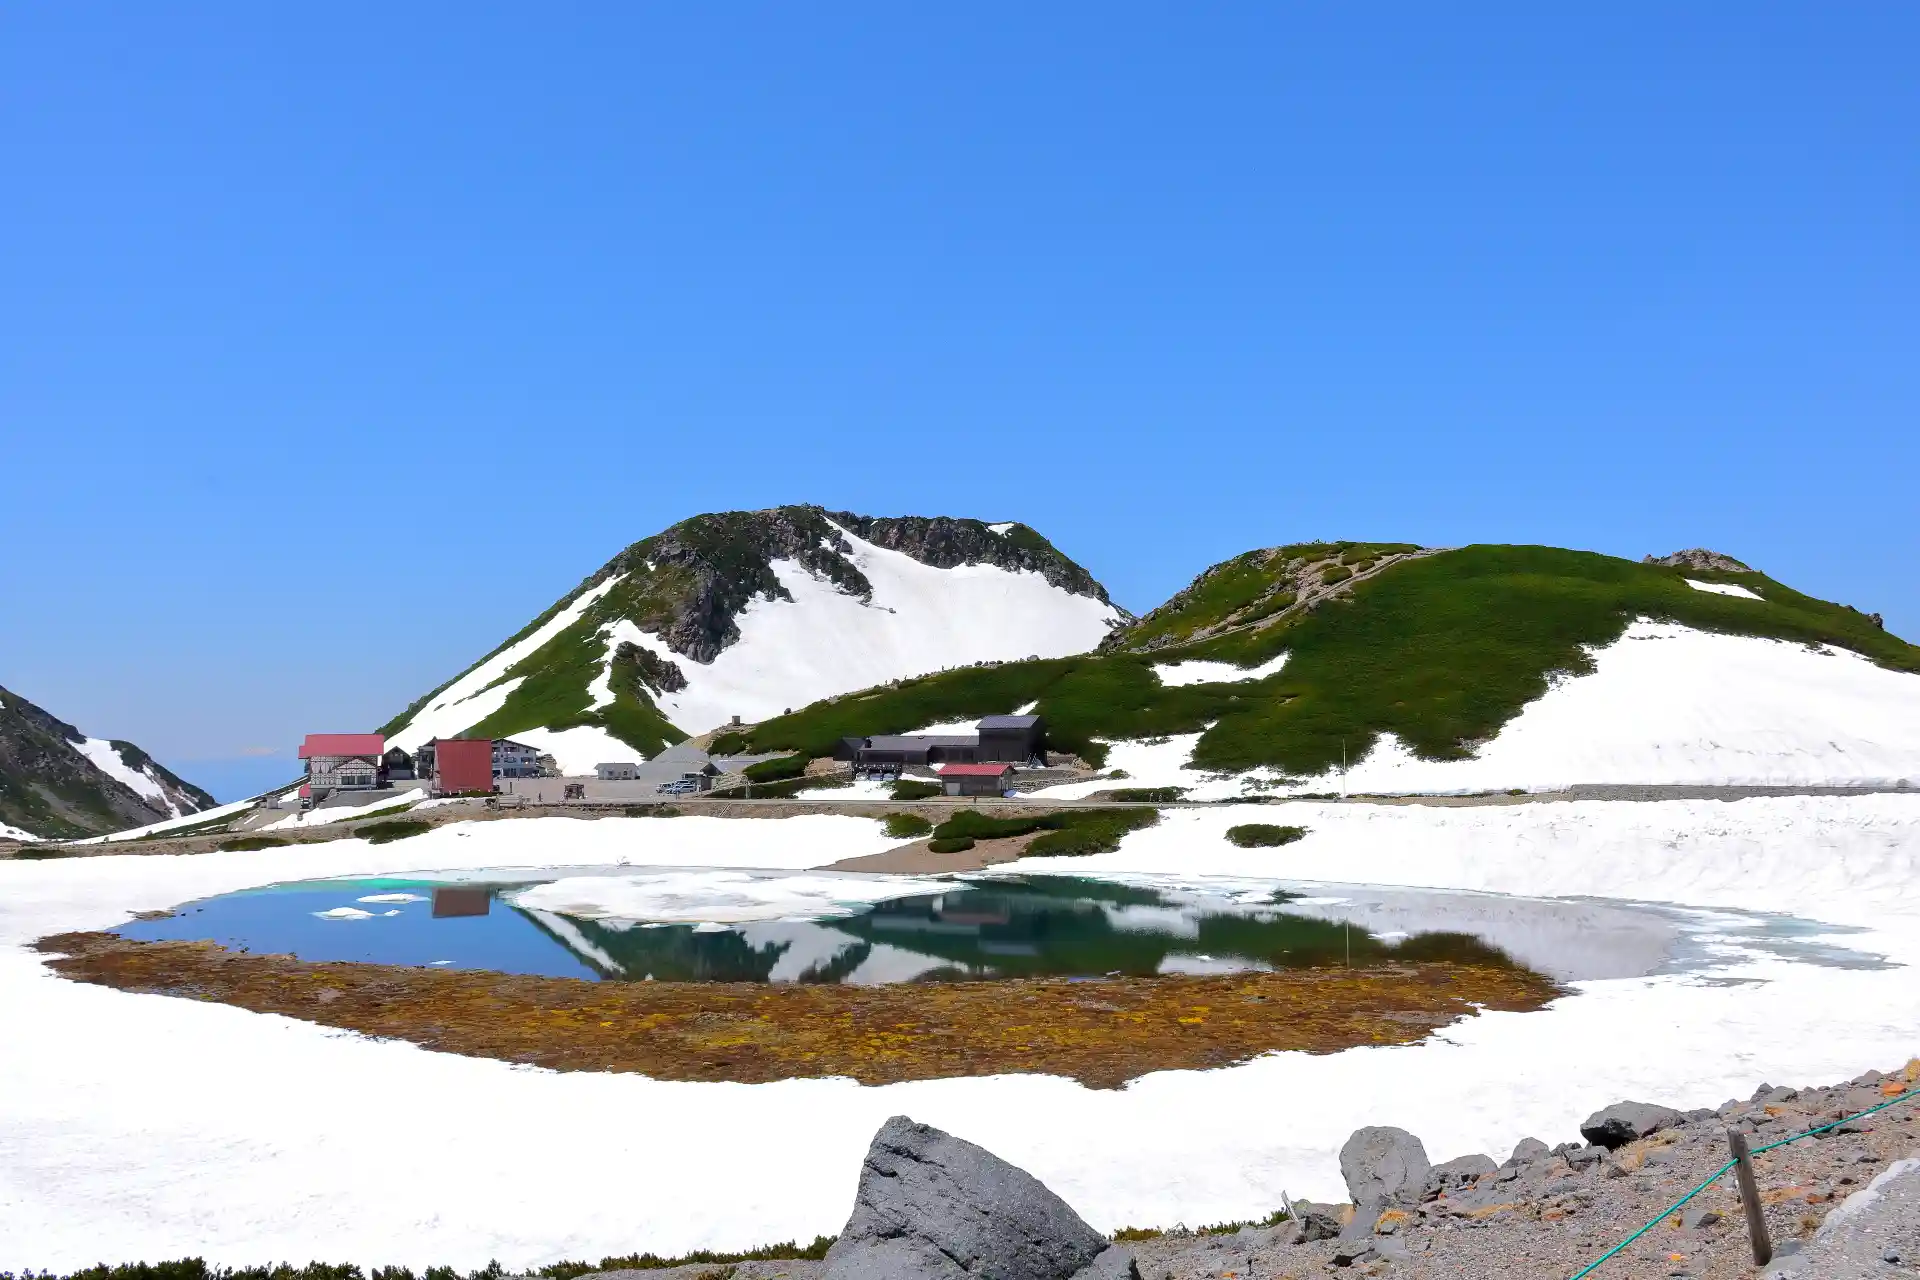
1750, 1197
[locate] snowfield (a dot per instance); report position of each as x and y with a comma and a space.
792, 652
106, 758
1664, 705
824, 642
142, 1127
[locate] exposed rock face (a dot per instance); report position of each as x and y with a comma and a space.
1383, 1165
1621, 1123
49, 788
932, 1205
705, 570
1700, 558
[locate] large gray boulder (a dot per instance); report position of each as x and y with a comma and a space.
932, 1205
1384, 1166
1461, 1171
1615, 1126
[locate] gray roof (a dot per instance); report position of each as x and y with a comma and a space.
1009, 722
915, 741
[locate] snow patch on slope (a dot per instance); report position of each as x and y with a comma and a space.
1664, 705
1200, 671
15, 833
469, 700
579, 749
1724, 589
106, 758
824, 642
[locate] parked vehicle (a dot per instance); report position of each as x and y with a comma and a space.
681, 787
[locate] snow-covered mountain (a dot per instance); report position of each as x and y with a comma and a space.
57, 782
752, 613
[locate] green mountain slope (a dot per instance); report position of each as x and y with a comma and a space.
1440, 648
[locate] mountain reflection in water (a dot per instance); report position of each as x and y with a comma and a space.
1007, 928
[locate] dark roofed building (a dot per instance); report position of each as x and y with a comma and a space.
1016, 739
910, 750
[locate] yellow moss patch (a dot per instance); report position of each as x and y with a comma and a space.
1101, 1033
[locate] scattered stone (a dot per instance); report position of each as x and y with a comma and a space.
1615, 1126
1382, 1164
1581, 1157
1699, 1219
935, 1206
1529, 1149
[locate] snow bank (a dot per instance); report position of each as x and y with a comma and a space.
579, 749
1725, 589
1664, 705
1200, 671
824, 642
256, 1136
173, 824
345, 813
475, 696
15, 833
107, 758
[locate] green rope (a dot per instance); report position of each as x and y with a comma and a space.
1719, 1173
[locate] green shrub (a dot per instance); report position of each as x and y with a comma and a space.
1335, 573
914, 789
1263, 835
392, 829
906, 826
955, 844
650, 811
1148, 795
778, 770
730, 743
1069, 833
252, 844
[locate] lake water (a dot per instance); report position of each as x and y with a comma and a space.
705, 925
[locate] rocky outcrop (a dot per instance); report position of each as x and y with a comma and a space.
49, 788
932, 1205
693, 579
1699, 558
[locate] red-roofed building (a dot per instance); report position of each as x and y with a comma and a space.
975, 779
342, 762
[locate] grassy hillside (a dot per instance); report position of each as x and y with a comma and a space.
1441, 649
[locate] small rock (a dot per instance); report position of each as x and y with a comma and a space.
1582, 1157
1621, 1123
1381, 1164
1891, 1256
1529, 1149
1700, 1113
1699, 1219
1353, 1254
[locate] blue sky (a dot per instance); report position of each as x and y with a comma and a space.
337, 340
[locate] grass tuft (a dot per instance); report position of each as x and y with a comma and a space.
1264, 835
906, 826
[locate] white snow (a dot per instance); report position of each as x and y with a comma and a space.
15, 833
1001, 529
475, 696
173, 824
346, 812
1725, 589
344, 913
1200, 671
825, 642
254, 1140
579, 749
143, 784
1664, 705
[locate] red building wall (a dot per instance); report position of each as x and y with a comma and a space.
463, 764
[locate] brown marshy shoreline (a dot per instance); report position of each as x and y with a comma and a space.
1101, 1032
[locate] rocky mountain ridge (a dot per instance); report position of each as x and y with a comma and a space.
55, 782
748, 612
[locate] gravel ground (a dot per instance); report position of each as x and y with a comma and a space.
1550, 1214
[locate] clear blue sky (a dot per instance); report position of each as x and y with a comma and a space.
336, 340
